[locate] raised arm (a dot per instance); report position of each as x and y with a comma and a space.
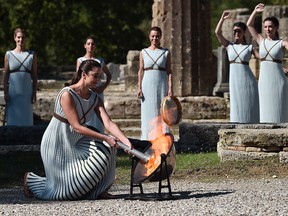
218, 30
250, 23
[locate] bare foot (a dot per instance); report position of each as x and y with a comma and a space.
27, 192
106, 195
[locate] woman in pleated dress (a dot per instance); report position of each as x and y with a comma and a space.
20, 82
90, 47
273, 87
154, 83
79, 162
243, 88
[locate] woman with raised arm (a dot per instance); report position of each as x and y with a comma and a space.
244, 99
90, 47
79, 162
273, 88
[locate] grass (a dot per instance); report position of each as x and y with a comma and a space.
204, 167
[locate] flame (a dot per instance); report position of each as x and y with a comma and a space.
161, 145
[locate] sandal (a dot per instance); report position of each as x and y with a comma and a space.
27, 192
106, 195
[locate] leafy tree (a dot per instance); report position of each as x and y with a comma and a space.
56, 29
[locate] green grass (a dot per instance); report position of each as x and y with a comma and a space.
204, 167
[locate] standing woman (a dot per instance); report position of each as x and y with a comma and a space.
20, 82
79, 162
90, 47
273, 88
244, 99
154, 83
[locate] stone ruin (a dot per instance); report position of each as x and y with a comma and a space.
196, 71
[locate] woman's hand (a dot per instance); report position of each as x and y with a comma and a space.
225, 15
140, 93
111, 141
259, 8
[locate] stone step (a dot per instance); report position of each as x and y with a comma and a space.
128, 122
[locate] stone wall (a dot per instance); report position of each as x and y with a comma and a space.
254, 143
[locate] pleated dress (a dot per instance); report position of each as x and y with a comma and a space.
243, 87
76, 166
19, 107
154, 89
273, 88
95, 121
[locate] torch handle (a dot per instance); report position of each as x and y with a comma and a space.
135, 152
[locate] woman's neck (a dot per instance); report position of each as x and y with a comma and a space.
82, 90
154, 47
19, 49
238, 41
89, 55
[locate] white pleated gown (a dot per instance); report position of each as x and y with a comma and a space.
76, 166
20, 107
273, 88
154, 88
243, 87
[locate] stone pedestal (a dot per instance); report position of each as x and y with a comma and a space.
131, 71
222, 84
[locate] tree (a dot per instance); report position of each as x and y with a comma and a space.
56, 29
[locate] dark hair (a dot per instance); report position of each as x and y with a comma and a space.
84, 67
90, 37
275, 22
156, 28
243, 26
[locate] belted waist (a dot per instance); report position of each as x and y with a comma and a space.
242, 62
151, 68
273, 60
60, 118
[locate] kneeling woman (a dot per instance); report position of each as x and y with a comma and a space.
79, 162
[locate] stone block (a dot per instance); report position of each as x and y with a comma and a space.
115, 109
253, 149
283, 157
133, 108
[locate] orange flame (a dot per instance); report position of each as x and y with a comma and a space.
161, 145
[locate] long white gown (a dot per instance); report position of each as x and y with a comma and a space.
20, 107
154, 88
243, 87
273, 88
76, 166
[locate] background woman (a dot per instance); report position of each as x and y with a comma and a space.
20, 82
244, 99
90, 47
154, 83
273, 88
78, 161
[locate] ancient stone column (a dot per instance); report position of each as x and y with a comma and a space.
131, 71
186, 32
